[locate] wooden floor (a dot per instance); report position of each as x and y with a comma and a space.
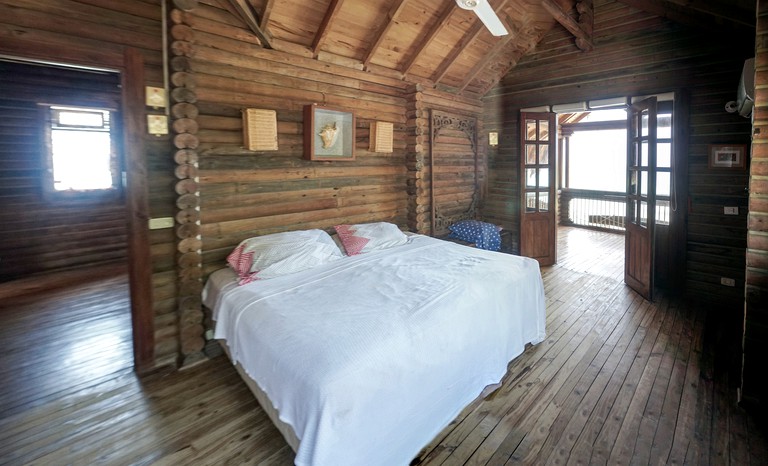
618, 380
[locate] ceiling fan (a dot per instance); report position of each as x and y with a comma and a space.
485, 12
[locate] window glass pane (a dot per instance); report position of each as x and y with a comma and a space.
543, 177
644, 123
598, 160
543, 130
530, 202
662, 212
644, 154
81, 160
662, 183
544, 154
663, 154
633, 183
643, 212
78, 118
615, 114
543, 202
643, 183
530, 154
530, 130
530, 177
664, 126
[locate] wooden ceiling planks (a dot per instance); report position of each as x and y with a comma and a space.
434, 42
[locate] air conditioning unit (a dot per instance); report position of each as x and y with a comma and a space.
745, 96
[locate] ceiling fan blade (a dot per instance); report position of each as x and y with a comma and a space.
485, 12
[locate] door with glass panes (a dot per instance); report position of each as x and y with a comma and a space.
641, 197
538, 228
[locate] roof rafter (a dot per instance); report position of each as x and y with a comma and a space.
449, 9
266, 13
468, 38
325, 26
249, 16
492, 54
583, 39
689, 15
393, 13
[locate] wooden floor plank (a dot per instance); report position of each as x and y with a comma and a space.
618, 380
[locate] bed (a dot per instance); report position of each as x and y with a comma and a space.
365, 358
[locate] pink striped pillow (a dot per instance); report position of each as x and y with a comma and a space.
366, 237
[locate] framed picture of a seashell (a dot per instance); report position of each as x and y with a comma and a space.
329, 133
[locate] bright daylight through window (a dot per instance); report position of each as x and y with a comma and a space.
81, 155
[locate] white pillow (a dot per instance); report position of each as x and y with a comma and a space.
270, 256
366, 237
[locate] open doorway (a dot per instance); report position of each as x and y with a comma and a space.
64, 249
594, 181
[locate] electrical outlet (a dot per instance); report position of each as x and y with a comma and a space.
727, 281
731, 210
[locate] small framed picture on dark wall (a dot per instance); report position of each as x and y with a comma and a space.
329, 133
727, 156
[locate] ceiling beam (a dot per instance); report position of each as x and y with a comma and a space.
469, 37
448, 10
583, 40
490, 57
690, 16
722, 10
393, 13
246, 13
266, 13
325, 26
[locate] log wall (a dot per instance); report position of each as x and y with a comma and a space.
95, 33
219, 69
638, 54
754, 388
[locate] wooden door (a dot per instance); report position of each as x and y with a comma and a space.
641, 197
538, 226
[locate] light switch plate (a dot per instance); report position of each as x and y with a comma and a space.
731, 210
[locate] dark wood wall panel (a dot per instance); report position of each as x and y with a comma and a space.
637, 53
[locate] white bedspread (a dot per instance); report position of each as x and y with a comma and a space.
370, 357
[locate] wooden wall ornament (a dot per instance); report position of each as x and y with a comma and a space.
441, 122
381, 137
260, 129
329, 133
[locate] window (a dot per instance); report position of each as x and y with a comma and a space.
81, 156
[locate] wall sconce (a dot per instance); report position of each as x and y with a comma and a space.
493, 138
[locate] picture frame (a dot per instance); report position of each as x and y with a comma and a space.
329, 133
727, 156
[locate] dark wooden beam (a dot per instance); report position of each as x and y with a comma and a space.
719, 10
448, 10
583, 40
265, 14
469, 37
246, 13
695, 16
393, 13
325, 26
137, 203
490, 57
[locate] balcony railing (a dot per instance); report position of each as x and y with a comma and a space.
605, 210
